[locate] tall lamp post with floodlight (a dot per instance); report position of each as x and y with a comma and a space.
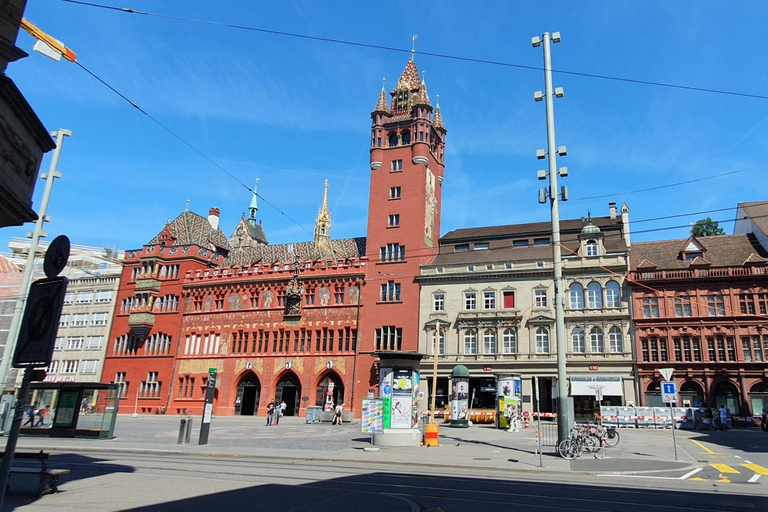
564, 402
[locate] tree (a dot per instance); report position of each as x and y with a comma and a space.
707, 227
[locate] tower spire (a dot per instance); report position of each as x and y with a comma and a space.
323, 222
254, 206
381, 106
437, 119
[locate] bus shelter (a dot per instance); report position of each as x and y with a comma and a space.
71, 409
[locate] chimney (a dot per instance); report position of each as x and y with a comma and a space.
213, 218
612, 209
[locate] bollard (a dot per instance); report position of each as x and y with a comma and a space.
189, 430
183, 431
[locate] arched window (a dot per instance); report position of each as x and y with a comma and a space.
612, 295
577, 339
510, 341
591, 246
489, 342
392, 139
470, 341
594, 296
406, 136
577, 296
615, 340
596, 339
542, 340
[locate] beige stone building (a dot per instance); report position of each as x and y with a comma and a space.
490, 294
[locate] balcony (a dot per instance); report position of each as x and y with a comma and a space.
141, 323
684, 274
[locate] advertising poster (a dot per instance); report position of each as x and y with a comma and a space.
459, 401
402, 398
417, 394
385, 393
373, 416
66, 406
387, 404
401, 411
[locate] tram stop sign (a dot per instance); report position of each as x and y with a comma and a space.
669, 392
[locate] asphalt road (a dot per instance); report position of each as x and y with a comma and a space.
149, 482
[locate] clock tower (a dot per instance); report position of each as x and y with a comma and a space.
407, 170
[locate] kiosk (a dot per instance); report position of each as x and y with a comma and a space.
400, 392
460, 396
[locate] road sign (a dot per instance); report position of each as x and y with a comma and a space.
40, 323
666, 373
669, 392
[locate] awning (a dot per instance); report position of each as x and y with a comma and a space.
585, 385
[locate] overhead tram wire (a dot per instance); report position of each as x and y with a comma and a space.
193, 148
660, 187
128, 10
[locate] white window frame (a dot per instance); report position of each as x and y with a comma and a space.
596, 340
489, 300
94, 342
100, 318
84, 297
470, 342
75, 342
90, 366
578, 343
540, 298
509, 341
79, 319
542, 340
594, 296
612, 294
576, 293
470, 301
438, 302
489, 342
615, 340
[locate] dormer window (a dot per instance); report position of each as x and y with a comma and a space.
591, 247
692, 255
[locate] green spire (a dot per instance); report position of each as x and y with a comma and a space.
254, 207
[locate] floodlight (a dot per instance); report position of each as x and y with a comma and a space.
564, 193
540, 154
562, 151
538, 96
563, 172
541, 174
555, 37
543, 195
536, 41
558, 92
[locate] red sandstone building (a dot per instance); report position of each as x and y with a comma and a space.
701, 307
297, 322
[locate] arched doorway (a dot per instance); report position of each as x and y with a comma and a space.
691, 395
248, 393
653, 395
289, 389
727, 394
758, 396
330, 386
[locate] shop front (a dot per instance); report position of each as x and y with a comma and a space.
589, 392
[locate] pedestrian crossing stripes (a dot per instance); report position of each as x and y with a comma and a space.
757, 468
724, 471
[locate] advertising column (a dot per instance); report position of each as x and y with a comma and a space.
460, 397
509, 393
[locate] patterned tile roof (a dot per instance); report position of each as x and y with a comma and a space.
721, 251
422, 97
410, 77
8, 267
301, 251
381, 105
437, 119
191, 228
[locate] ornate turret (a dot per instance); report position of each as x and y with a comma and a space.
323, 222
254, 206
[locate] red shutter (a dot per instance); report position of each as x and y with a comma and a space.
509, 300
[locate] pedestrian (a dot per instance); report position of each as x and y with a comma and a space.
282, 408
278, 413
764, 419
723, 418
508, 416
709, 418
41, 416
84, 406
30, 416
270, 413
513, 425
337, 414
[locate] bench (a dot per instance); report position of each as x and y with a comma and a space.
49, 478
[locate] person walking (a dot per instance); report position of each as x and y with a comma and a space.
337, 414
282, 408
270, 413
709, 418
723, 418
278, 413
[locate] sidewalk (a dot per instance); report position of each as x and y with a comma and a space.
476, 447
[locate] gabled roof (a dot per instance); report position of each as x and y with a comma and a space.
721, 251
190, 228
8, 267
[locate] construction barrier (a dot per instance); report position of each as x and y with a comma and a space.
644, 417
661, 417
431, 434
608, 416
683, 417
700, 421
546, 437
626, 417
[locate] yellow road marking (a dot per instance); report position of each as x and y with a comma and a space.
724, 468
697, 479
760, 470
703, 447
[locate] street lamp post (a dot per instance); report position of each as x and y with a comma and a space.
564, 402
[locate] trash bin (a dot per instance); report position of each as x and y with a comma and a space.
313, 413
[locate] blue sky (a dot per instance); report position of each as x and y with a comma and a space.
293, 112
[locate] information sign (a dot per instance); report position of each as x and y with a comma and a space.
669, 392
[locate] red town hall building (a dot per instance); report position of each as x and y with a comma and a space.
297, 322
